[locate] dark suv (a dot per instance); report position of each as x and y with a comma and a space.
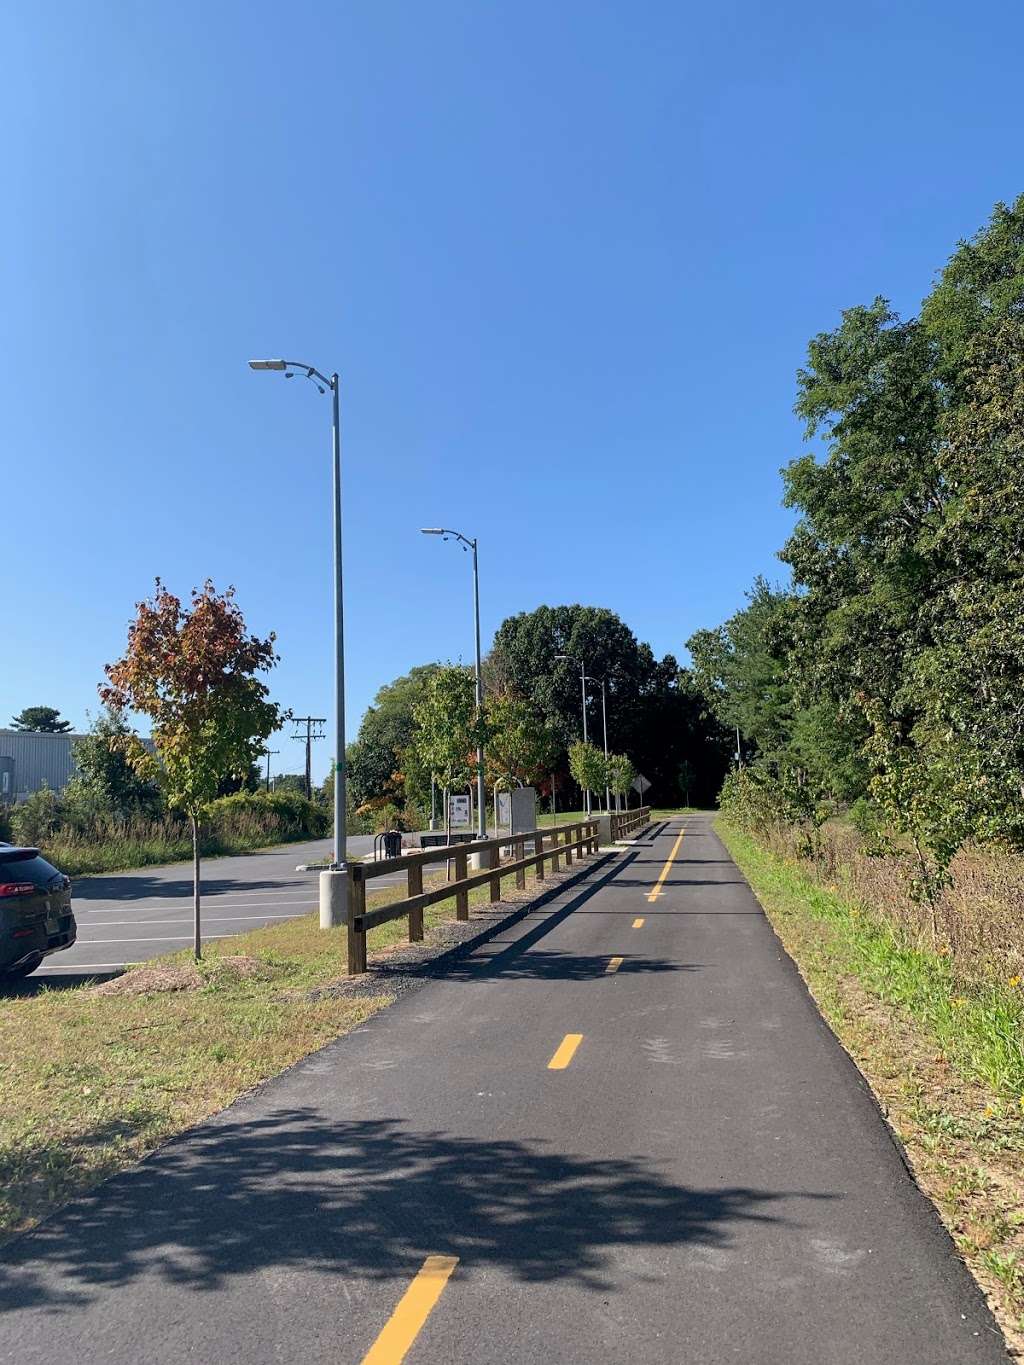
35, 911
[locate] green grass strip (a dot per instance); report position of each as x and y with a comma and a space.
979, 1024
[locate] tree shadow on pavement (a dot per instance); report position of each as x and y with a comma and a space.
369, 1199
550, 965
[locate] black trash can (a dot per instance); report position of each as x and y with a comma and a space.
392, 843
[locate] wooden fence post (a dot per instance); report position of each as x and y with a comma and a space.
416, 889
356, 936
568, 847
494, 860
461, 872
539, 846
519, 853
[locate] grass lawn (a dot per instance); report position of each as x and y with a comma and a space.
944, 1055
90, 1082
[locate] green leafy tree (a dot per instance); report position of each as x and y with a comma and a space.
447, 729
194, 671
894, 669
114, 770
295, 782
383, 767
655, 712
521, 749
621, 775
588, 767
44, 720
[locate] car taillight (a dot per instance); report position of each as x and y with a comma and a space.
16, 888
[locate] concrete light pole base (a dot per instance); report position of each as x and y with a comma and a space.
333, 898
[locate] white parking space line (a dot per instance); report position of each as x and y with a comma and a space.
177, 938
170, 902
207, 919
75, 967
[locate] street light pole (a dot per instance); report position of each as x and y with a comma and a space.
583, 694
291, 368
604, 722
481, 795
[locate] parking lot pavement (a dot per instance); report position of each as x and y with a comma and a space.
130, 916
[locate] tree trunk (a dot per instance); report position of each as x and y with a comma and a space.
198, 942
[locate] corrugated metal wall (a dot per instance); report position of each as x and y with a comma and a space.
38, 759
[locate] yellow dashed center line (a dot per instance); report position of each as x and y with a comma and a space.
565, 1052
414, 1307
638, 923
656, 890
614, 963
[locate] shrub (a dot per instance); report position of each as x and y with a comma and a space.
34, 821
270, 815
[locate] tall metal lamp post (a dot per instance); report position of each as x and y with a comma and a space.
583, 694
471, 544
334, 889
604, 723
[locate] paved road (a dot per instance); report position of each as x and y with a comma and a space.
704, 1179
130, 916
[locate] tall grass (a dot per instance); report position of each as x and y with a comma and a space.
979, 916
967, 989
235, 824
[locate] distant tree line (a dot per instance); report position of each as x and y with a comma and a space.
888, 679
422, 724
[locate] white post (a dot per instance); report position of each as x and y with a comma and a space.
333, 897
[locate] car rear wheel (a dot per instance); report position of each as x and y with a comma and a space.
22, 970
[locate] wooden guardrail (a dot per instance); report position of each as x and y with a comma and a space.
627, 822
549, 845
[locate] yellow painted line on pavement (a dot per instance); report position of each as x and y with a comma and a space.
656, 890
415, 1306
565, 1052
638, 923
614, 964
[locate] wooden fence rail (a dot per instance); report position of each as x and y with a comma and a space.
627, 822
549, 845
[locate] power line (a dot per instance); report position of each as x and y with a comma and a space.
314, 729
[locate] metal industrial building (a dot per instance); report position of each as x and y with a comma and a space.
29, 759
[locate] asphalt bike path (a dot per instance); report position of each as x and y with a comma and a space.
617, 1131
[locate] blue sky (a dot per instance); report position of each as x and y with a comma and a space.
565, 257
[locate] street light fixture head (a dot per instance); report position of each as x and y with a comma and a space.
267, 365
431, 531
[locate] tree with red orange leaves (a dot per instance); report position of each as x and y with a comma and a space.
193, 670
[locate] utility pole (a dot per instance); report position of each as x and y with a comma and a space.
268, 752
314, 730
